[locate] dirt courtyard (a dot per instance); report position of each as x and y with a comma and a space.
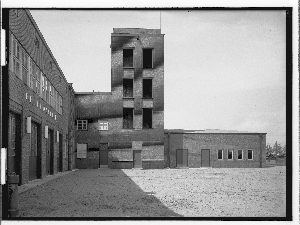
208, 192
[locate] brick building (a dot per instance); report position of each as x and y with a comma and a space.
214, 148
39, 104
125, 127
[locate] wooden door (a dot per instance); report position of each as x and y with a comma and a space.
205, 158
60, 154
103, 155
48, 155
137, 158
51, 135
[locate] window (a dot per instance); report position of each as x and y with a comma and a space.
31, 74
127, 118
220, 154
147, 118
147, 88
127, 87
127, 57
38, 81
34, 76
147, 58
81, 124
16, 59
43, 93
250, 154
60, 105
57, 102
230, 154
240, 154
25, 67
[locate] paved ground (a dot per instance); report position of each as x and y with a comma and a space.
167, 192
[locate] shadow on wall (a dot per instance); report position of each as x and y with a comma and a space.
92, 193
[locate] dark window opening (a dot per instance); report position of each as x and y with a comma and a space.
230, 154
240, 154
147, 88
250, 154
127, 57
147, 118
127, 87
147, 58
220, 154
127, 118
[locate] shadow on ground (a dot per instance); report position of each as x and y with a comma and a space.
92, 193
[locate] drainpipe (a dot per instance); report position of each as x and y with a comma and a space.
169, 147
261, 152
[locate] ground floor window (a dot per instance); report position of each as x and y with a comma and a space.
230, 154
240, 154
81, 124
127, 118
220, 154
250, 154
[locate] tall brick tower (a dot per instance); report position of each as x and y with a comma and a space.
126, 125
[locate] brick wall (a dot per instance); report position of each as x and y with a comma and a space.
109, 106
214, 142
26, 32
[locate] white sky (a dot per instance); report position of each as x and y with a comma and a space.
223, 69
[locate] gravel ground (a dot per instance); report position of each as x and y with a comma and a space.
168, 192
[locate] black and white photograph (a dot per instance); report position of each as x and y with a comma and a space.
149, 113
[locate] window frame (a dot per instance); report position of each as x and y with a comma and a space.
152, 50
251, 155
238, 154
83, 123
218, 154
228, 154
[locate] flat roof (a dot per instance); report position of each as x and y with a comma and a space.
209, 131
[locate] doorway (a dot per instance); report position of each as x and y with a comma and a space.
51, 153
137, 158
181, 158
35, 152
103, 155
205, 158
60, 155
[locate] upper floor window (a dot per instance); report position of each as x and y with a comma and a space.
127, 87
147, 88
147, 118
127, 57
81, 124
147, 58
127, 118
16, 59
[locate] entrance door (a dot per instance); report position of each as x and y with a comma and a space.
34, 153
60, 155
14, 144
137, 158
181, 158
51, 137
48, 155
205, 158
103, 155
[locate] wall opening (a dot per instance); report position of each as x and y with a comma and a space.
127, 87
147, 58
127, 118
147, 118
127, 57
147, 88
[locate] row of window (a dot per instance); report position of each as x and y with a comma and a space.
240, 155
27, 70
128, 88
147, 58
127, 119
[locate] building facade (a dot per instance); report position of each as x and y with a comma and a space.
214, 148
39, 105
125, 128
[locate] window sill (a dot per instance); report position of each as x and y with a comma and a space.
128, 97
147, 98
147, 68
128, 67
